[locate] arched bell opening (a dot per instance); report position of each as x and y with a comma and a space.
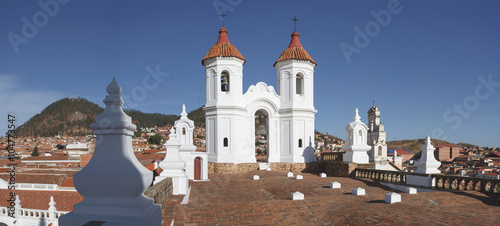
261, 136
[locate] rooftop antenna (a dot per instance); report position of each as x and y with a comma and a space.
295, 23
223, 16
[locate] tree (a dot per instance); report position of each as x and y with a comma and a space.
35, 151
155, 139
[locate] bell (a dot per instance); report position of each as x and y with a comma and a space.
262, 130
224, 81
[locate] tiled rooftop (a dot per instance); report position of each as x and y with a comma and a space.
40, 199
37, 178
229, 199
295, 51
223, 48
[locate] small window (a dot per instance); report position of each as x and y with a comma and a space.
183, 131
360, 133
299, 84
226, 142
224, 81
300, 143
380, 150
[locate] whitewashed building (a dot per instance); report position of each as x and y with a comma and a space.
230, 113
356, 147
196, 162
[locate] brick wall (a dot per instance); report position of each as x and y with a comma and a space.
334, 169
161, 191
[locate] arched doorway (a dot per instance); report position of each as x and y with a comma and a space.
261, 136
197, 168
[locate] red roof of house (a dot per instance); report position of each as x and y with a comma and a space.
46, 158
490, 174
40, 199
295, 51
223, 48
36, 178
68, 183
151, 151
151, 166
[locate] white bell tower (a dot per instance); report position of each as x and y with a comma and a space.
376, 136
224, 91
295, 74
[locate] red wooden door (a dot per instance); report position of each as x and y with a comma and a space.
197, 168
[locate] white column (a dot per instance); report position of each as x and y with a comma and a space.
114, 181
173, 166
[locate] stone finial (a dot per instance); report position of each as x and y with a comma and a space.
427, 143
113, 88
52, 203
52, 208
172, 137
114, 98
18, 201
184, 113
356, 117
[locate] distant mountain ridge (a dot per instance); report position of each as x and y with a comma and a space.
73, 116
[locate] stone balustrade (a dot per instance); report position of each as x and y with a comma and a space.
332, 156
441, 181
33, 213
467, 183
382, 175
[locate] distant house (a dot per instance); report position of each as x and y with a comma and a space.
407, 155
446, 152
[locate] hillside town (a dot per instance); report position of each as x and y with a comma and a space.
249, 156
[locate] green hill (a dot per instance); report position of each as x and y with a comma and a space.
73, 116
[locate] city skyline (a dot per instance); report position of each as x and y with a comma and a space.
432, 68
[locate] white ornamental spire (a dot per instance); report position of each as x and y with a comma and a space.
173, 166
113, 193
427, 164
356, 117
183, 113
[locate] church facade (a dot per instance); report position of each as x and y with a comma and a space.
230, 113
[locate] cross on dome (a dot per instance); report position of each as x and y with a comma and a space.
295, 23
222, 17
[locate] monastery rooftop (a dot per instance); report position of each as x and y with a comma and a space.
238, 199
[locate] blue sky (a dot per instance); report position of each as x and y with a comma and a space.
432, 68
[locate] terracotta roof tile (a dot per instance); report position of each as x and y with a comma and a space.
46, 158
295, 51
223, 48
68, 183
36, 178
40, 199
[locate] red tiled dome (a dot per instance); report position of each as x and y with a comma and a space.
223, 48
295, 51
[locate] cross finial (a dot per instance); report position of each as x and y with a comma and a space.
295, 23
373, 102
223, 16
